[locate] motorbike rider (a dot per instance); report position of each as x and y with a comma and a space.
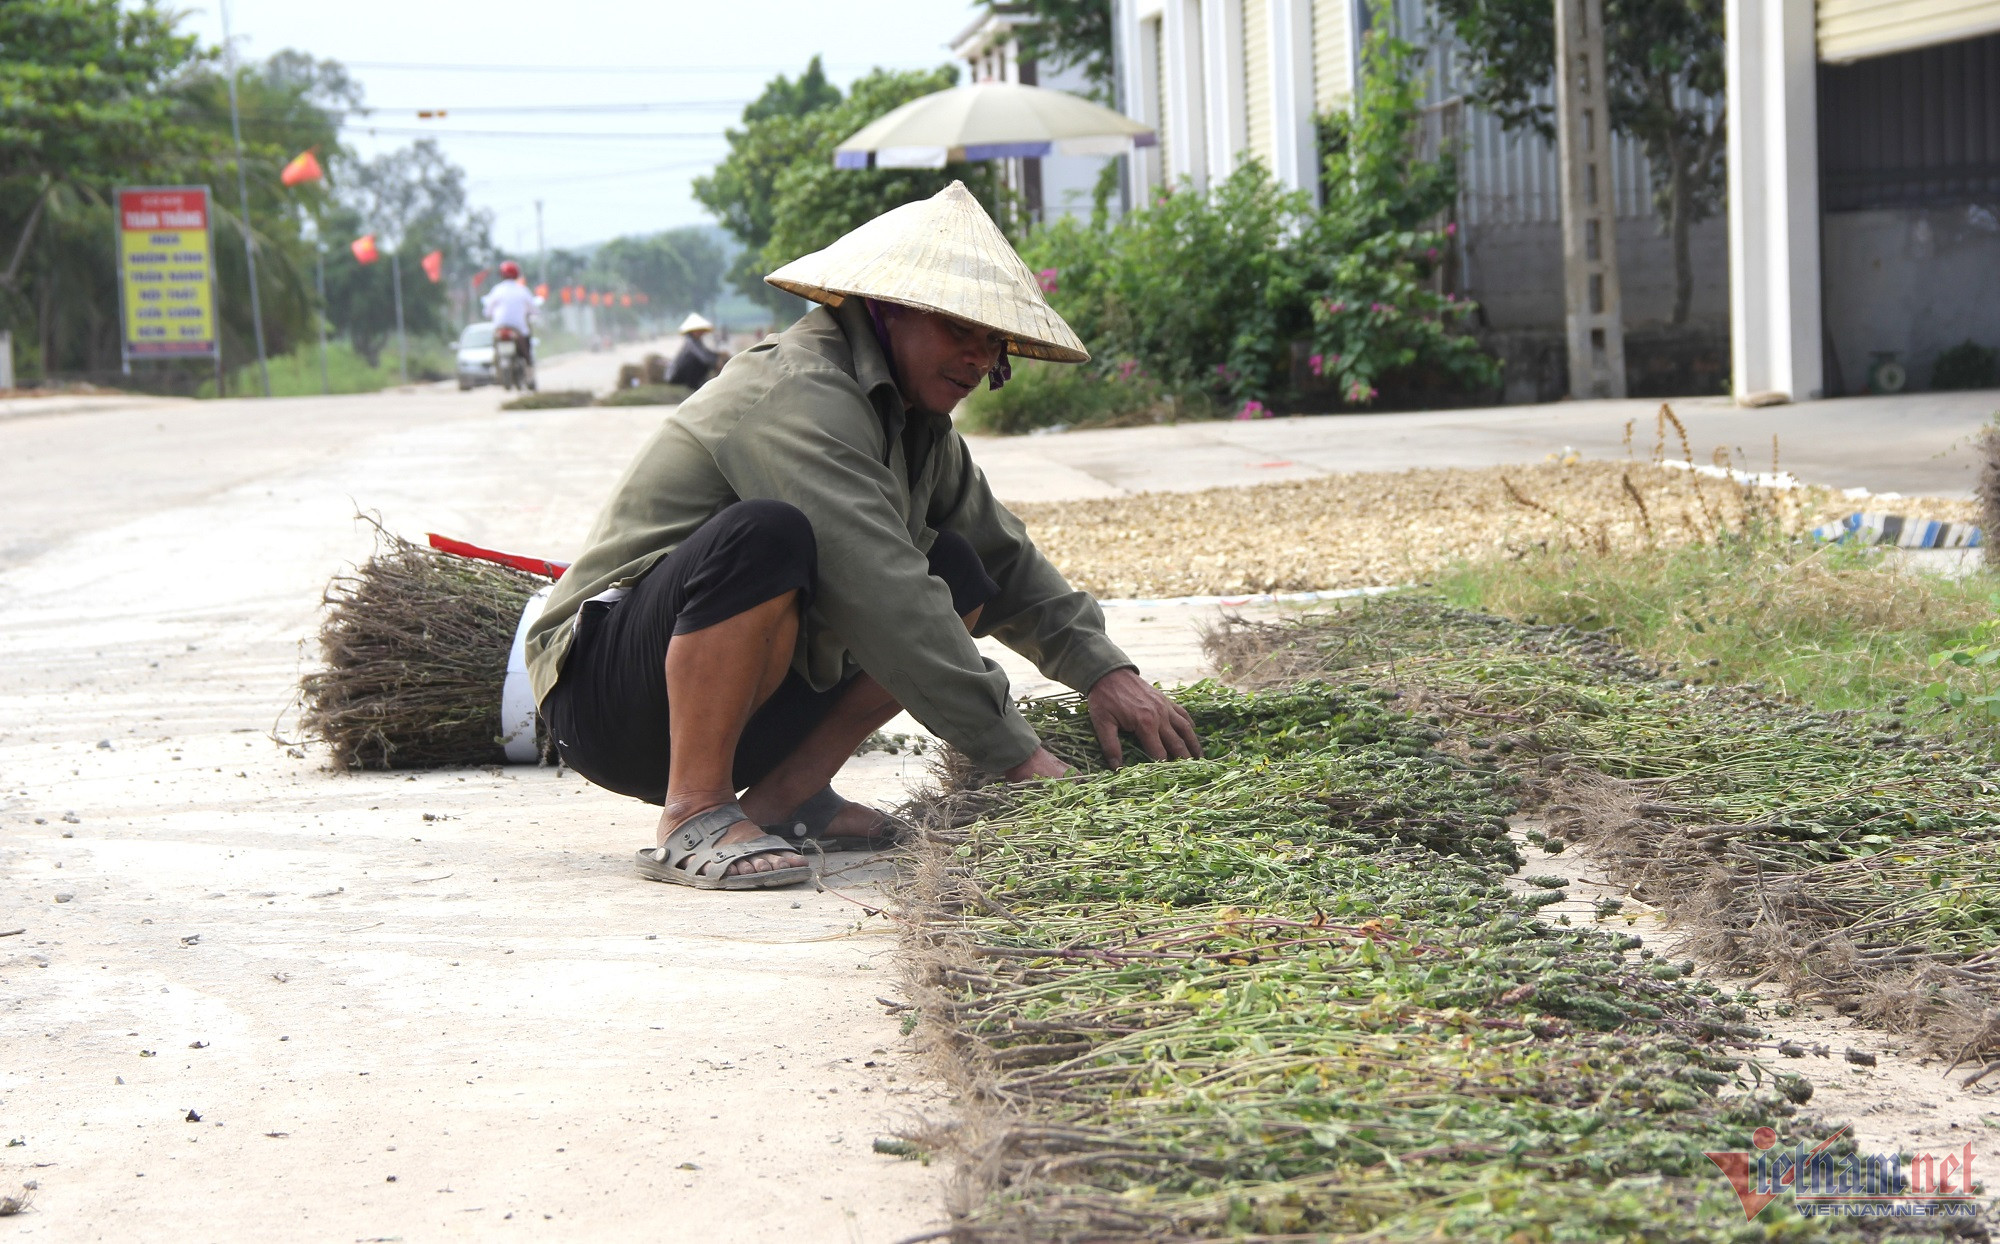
512, 305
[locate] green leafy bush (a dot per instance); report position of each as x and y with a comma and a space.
1066, 395
1375, 244
1199, 288
1967, 365
1207, 291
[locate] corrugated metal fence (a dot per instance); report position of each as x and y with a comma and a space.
1509, 177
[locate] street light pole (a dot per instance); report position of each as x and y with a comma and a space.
541, 249
319, 253
243, 196
402, 339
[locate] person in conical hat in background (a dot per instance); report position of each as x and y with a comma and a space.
696, 363
805, 546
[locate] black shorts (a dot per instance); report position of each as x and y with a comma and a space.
608, 709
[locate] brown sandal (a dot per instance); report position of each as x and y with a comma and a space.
695, 855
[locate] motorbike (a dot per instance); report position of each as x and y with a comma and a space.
512, 365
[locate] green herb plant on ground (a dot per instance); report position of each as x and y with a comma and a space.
1850, 861
549, 399
647, 395
1285, 992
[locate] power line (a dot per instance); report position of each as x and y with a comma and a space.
691, 105
613, 175
631, 135
477, 67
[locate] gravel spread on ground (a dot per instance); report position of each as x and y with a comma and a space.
1386, 528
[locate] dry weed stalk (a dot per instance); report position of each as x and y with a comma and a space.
1988, 492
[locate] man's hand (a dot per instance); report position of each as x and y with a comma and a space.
1121, 700
1039, 765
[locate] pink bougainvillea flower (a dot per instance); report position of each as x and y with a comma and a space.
1451, 230
1431, 254
1315, 361
1047, 279
1127, 368
1253, 409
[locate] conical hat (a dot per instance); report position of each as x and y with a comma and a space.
696, 323
941, 254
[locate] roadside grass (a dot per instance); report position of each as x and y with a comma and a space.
1830, 626
297, 374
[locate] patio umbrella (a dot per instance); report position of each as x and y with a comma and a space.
990, 121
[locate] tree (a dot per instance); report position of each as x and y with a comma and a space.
1065, 33
415, 200
680, 270
814, 203
1665, 59
287, 104
741, 190
86, 86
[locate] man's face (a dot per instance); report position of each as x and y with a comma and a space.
940, 359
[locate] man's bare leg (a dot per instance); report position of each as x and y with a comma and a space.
866, 707
716, 677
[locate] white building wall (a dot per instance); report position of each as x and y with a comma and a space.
1774, 236
1185, 104
1069, 183
1223, 85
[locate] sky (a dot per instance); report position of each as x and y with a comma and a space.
630, 99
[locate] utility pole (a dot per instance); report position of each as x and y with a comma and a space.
319, 252
243, 196
396, 283
541, 249
1595, 314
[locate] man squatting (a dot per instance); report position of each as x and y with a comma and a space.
806, 547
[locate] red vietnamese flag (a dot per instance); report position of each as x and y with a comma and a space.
541, 291
304, 167
624, 300
364, 249
479, 278
434, 266
565, 295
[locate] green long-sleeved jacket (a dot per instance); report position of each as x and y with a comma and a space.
813, 417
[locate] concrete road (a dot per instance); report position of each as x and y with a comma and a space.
1913, 444
252, 999
249, 999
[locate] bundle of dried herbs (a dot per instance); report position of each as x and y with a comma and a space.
415, 647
